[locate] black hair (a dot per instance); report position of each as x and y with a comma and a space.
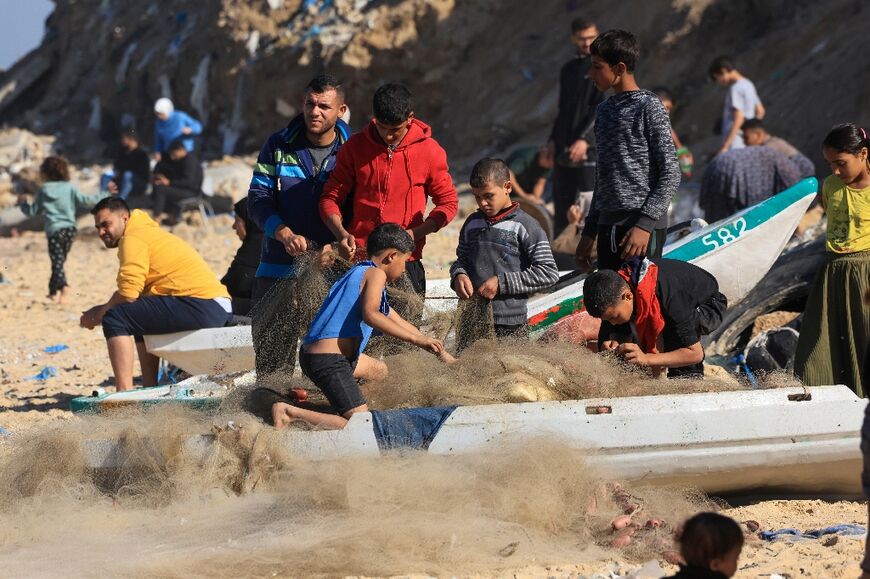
847, 138
753, 124
325, 82
114, 204
391, 104
177, 145
719, 64
615, 46
664, 94
130, 133
389, 236
708, 536
489, 170
54, 169
602, 290
579, 24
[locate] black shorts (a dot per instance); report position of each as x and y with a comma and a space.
333, 375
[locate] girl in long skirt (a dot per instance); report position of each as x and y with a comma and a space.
835, 333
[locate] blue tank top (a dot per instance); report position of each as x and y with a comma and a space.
340, 316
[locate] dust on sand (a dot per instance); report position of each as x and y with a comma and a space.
200, 505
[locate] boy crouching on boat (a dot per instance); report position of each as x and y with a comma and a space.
654, 312
331, 354
503, 254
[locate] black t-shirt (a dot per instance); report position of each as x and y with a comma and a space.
135, 161
681, 287
184, 173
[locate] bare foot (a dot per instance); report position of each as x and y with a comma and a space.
64, 296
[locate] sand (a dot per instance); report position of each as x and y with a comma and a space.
30, 323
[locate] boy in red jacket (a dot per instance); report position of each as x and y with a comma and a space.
390, 169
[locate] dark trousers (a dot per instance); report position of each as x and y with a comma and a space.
239, 281
609, 251
568, 182
708, 316
167, 197
275, 327
59, 244
417, 276
163, 315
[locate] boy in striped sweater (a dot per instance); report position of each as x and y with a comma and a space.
503, 254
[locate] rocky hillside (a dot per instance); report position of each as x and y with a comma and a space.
484, 71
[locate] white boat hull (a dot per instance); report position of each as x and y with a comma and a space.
721, 443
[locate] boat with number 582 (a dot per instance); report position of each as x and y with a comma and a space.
738, 251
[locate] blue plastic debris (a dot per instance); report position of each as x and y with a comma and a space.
44, 374
843, 529
794, 534
312, 32
55, 349
4, 432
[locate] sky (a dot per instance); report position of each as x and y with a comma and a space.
21, 27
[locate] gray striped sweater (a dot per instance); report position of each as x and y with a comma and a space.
637, 173
513, 247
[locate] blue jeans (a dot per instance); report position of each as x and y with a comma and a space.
128, 183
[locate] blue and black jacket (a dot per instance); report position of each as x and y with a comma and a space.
286, 190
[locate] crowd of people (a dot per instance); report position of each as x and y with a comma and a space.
613, 162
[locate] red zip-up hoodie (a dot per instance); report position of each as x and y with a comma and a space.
390, 187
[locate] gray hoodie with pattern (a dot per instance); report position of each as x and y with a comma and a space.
513, 247
637, 173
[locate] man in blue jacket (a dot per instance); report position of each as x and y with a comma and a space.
173, 125
291, 171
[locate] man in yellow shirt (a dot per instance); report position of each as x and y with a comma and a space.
164, 286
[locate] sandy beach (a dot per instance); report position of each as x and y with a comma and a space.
31, 323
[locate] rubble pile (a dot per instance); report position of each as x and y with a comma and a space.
484, 72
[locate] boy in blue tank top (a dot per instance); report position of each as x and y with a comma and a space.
332, 351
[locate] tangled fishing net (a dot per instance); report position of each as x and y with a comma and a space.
182, 494
489, 371
164, 506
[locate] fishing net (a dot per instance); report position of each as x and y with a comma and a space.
489, 370
238, 502
163, 505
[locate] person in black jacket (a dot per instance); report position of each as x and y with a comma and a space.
239, 278
132, 167
572, 134
176, 178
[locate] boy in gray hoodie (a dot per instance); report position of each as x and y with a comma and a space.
503, 254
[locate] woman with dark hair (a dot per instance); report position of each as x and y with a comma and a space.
835, 333
57, 200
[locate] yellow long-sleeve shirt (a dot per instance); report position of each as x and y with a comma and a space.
156, 263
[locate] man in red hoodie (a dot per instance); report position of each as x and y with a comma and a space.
389, 170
